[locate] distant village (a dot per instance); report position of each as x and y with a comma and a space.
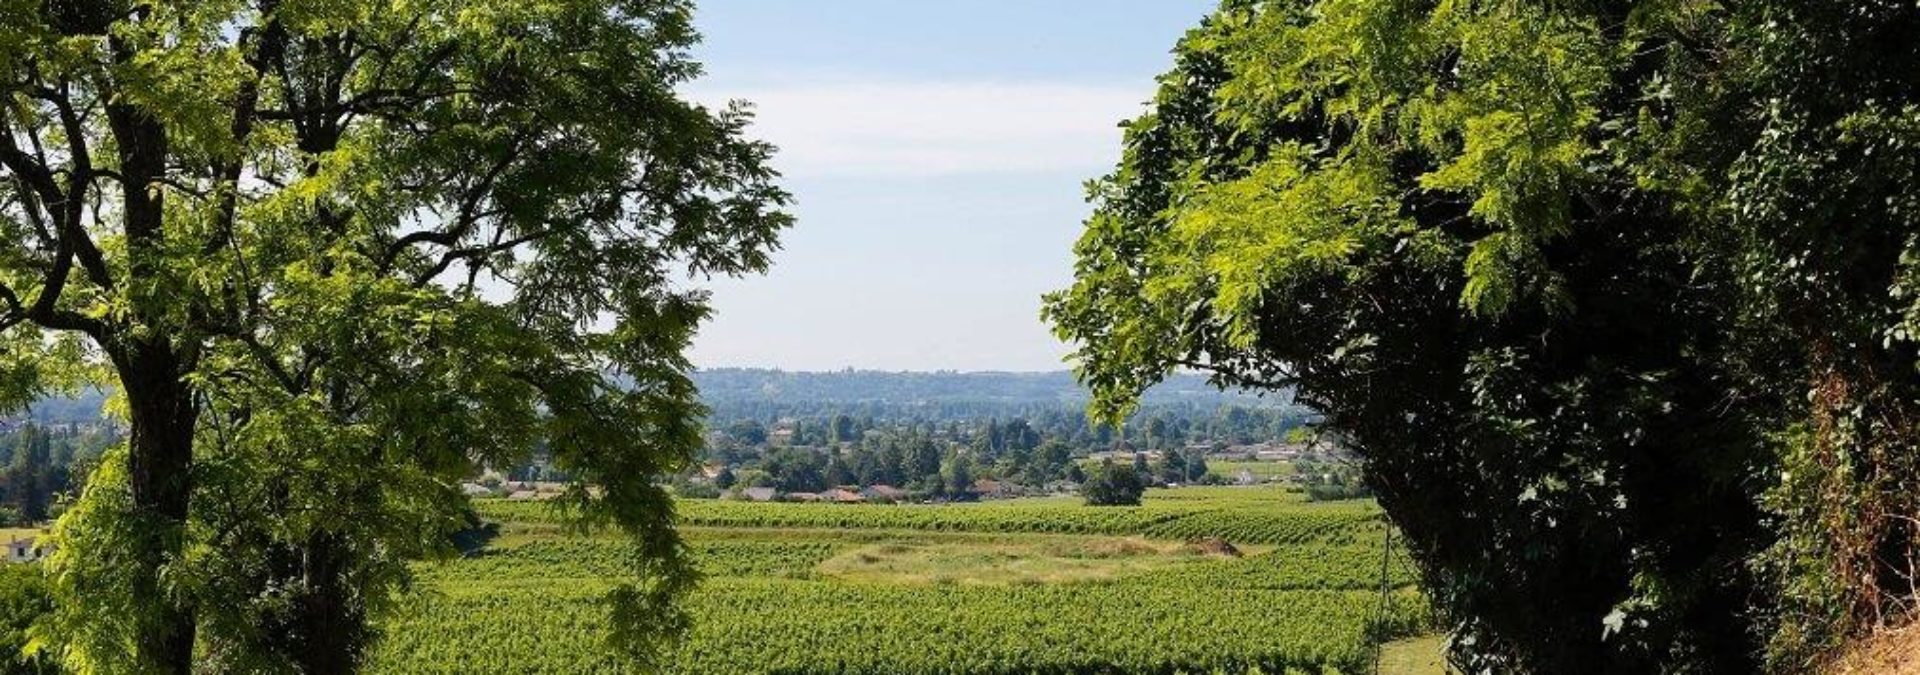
965, 471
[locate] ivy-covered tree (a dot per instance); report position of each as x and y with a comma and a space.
1474, 236
1822, 211
333, 256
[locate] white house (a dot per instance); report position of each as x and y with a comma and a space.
23, 550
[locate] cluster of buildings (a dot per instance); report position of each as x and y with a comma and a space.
492, 486
840, 495
879, 494
1251, 452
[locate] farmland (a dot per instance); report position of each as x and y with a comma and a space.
1023, 585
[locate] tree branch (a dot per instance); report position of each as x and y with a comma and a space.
477, 252
79, 181
464, 221
56, 319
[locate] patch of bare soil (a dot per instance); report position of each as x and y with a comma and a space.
1893, 652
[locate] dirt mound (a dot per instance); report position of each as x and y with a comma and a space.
1212, 546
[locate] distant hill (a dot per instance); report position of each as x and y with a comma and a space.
762, 394
731, 385
755, 391
83, 408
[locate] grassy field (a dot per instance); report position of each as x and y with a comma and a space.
11, 533
1423, 655
1260, 470
999, 587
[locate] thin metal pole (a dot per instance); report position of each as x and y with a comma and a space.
1380, 614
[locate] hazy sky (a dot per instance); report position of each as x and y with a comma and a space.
936, 151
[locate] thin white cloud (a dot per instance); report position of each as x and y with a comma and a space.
937, 127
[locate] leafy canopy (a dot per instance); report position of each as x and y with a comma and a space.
1616, 300
1449, 227
380, 245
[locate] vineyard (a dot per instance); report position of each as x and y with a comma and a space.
1260, 516
1005, 587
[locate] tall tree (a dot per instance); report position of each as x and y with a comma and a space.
1473, 236
841, 430
338, 254
1113, 485
922, 460
1020, 436
959, 475
838, 473
29, 477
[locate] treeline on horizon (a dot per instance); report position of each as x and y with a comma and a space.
763, 393
941, 459
725, 385
935, 433
1052, 399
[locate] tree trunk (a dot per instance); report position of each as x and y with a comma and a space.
330, 629
159, 463
152, 371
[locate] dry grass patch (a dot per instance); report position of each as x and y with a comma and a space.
1039, 561
1424, 655
11, 533
1893, 652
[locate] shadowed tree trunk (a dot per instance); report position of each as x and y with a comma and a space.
159, 463
329, 632
152, 372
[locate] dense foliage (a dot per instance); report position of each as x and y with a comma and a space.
333, 257
24, 598
1614, 299
1111, 484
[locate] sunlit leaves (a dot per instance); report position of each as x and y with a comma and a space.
396, 242
1461, 231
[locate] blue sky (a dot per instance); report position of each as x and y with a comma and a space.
936, 151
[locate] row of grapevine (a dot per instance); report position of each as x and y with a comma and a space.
763, 626
614, 558
1256, 516
1268, 527
1317, 567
